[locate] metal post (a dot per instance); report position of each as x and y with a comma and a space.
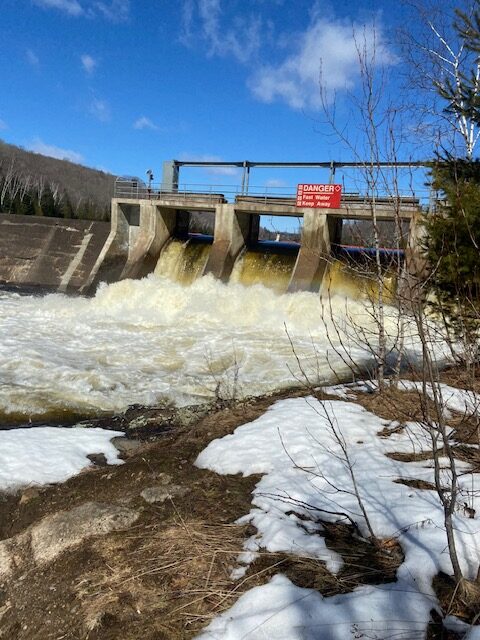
244, 176
247, 177
170, 176
332, 172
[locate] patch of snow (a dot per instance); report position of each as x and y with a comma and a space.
453, 398
458, 626
283, 611
305, 479
343, 391
43, 455
348, 391
460, 400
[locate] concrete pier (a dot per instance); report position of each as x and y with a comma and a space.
233, 231
112, 258
416, 267
156, 227
314, 257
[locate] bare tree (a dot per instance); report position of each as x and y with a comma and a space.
438, 60
379, 122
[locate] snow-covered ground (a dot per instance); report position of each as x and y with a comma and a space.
43, 455
306, 479
460, 400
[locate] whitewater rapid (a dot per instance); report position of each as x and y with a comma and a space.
153, 340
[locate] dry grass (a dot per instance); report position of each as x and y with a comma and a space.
177, 572
174, 578
423, 485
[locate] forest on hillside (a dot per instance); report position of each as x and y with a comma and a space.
34, 184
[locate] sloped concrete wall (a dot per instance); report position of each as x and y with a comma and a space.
51, 253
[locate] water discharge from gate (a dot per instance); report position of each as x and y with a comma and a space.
270, 264
183, 261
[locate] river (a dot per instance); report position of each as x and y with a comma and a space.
154, 341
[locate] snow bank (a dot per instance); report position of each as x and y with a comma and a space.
452, 398
455, 399
306, 480
42, 455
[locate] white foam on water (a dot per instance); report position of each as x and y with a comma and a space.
152, 340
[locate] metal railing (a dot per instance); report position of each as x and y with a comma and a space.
128, 188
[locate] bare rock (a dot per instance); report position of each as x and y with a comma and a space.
56, 533
6, 559
161, 493
127, 446
163, 478
98, 459
29, 494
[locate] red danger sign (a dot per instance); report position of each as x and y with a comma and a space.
319, 196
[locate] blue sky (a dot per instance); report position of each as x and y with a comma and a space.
123, 85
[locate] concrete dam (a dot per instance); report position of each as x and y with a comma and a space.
149, 232
153, 340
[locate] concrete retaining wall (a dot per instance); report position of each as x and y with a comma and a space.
50, 253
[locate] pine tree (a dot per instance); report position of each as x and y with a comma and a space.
453, 232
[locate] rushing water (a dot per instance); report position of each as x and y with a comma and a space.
155, 340
183, 261
272, 269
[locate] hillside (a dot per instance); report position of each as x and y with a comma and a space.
31, 183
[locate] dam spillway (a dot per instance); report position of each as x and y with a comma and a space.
267, 263
184, 260
75, 256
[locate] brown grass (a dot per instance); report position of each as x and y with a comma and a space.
174, 577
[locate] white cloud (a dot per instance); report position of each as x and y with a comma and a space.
38, 146
327, 54
222, 171
88, 63
144, 123
203, 19
3, 125
100, 110
113, 10
32, 58
70, 7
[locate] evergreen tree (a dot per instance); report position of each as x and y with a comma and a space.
453, 232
